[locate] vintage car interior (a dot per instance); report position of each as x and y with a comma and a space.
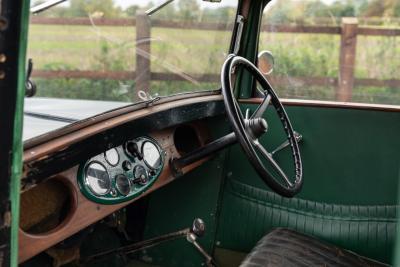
225, 177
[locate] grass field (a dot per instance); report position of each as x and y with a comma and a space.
58, 47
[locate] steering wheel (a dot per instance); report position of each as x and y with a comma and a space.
248, 128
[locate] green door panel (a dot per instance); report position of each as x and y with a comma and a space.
351, 164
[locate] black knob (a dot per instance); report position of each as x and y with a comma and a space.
126, 165
133, 150
198, 227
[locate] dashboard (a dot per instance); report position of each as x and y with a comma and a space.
103, 184
79, 175
122, 173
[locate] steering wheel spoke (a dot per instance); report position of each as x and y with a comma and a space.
271, 160
262, 107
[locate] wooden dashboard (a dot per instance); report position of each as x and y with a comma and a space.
84, 212
56, 157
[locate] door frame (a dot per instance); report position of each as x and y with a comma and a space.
14, 18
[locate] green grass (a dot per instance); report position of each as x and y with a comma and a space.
56, 47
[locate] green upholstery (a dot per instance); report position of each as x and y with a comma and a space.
252, 212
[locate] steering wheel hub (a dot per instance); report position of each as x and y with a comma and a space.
257, 127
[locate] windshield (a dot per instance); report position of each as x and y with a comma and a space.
92, 56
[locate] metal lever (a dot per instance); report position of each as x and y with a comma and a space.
240, 22
197, 230
285, 144
30, 86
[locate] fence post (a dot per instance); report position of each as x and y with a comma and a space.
143, 73
347, 58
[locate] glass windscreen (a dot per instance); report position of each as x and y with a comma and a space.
90, 57
346, 51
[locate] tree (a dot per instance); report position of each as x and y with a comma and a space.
81, 8
316, 9
342, 9
279, 12
130, 11
382, 8
189, 10
168, 12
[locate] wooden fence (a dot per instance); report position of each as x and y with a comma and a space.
344, 84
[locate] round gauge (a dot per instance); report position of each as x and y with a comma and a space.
97, 179
122, 184
140, 175
151, 155
112, 156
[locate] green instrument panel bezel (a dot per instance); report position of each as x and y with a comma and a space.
113, 171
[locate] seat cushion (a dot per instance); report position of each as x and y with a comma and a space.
284, 247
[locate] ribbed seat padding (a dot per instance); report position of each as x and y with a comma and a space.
287, 248
249, 213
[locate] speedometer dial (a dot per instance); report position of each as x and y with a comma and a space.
97, 179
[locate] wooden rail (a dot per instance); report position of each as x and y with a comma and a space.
209, 78
348, 31
212, 26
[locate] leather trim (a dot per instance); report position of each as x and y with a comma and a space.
284, 247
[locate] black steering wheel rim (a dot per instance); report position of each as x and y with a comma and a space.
246, 139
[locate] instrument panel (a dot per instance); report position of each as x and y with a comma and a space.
121, 173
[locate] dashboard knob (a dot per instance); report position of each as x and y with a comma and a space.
126, 165
133, 149
140, 175
198, 227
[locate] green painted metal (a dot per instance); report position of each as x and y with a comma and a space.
17, 139
249, 46
396, 259
13, 33
174, 207
113, 171
351, 164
